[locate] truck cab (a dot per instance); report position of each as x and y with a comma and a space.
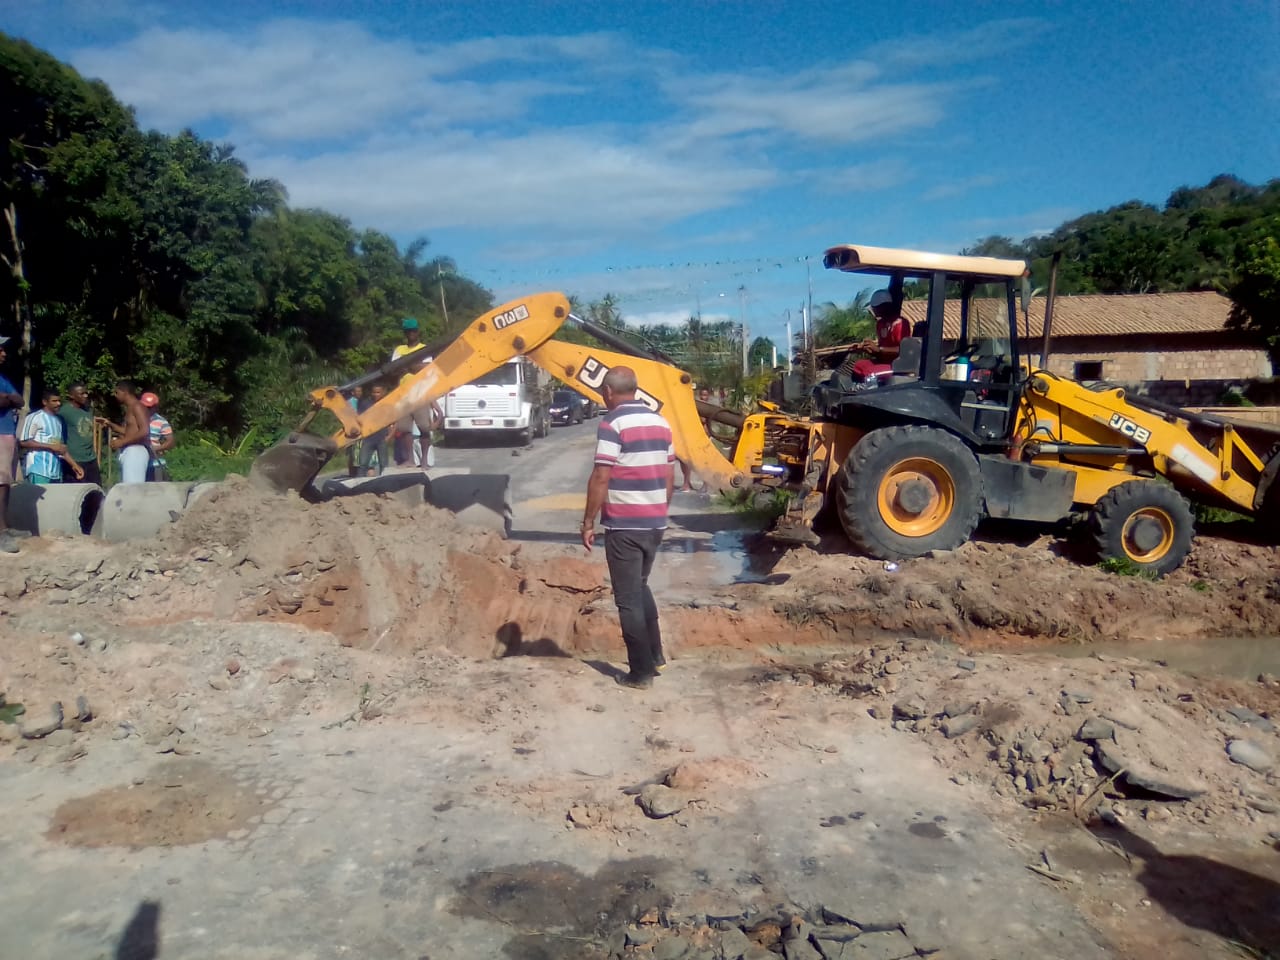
512, 399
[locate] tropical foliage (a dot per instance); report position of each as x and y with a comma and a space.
132, 253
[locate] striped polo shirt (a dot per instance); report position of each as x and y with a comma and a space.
636, 443
42, 427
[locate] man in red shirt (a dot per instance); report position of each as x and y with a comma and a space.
891, 329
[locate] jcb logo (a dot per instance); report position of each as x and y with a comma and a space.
514, 315
592, 373
1130, 429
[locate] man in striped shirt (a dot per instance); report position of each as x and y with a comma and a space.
631, 486
44, 444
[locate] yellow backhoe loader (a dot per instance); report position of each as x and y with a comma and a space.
910, 460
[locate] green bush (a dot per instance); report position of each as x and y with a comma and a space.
202, 456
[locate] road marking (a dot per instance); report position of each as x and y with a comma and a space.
556, 501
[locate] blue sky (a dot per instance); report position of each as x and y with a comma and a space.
674, 153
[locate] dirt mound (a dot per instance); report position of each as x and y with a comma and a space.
375, 572
997, 593
1101, 737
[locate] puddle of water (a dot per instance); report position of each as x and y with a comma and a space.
722, 558
1241, 658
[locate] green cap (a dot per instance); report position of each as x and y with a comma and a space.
409, 323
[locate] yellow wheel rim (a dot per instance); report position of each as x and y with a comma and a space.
916, 497
1142, 529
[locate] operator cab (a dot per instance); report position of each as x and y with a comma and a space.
960, 366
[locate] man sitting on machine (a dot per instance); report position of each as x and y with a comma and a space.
870, 362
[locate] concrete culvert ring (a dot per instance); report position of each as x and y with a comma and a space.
60, 508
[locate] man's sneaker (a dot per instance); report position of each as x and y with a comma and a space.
635, 683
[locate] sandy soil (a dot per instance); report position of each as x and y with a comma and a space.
1122, 785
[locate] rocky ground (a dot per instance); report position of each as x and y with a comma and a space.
358, 728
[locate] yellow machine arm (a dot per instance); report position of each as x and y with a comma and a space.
520, 328
1207, 457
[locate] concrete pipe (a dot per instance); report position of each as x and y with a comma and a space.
198, 490
57, 508
131, 511
409, 486
477, 499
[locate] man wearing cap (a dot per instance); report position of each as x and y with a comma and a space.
160, 438
10, 407
891, 329
412, 444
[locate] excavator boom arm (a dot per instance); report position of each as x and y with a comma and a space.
520, 328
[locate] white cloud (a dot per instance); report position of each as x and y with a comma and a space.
858, 177
416, 137
653, 318
296, 80
993, 38
555, 181
959, 187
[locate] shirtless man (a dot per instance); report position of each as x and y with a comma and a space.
131, 437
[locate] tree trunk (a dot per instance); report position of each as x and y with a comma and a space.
21, 308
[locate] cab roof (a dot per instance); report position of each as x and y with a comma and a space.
856, 258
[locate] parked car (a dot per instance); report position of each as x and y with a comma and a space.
593, 408
568, 407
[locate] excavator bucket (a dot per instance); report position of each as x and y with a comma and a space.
292, 463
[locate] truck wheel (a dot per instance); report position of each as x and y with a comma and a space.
904, 491
1148, 524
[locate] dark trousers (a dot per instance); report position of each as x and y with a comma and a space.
631, 554
372, 447
91, 473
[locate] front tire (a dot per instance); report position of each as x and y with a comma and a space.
907, 490
1145, 523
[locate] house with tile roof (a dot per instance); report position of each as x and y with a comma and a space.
1175, 347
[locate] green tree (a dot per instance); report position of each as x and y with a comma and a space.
1256, 291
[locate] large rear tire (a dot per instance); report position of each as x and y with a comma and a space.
1145, 523
904, 491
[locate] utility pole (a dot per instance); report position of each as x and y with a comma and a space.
443, 309
791, 347
746, 332
811, 362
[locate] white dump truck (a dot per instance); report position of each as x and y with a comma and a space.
514, 398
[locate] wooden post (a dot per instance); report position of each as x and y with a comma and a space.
21, 308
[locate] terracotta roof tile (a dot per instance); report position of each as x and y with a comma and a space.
1102, 314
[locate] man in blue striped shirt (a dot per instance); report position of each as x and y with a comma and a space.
44, 444
631, 486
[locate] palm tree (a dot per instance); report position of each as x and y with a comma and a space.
835, 324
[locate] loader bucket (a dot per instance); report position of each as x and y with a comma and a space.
292, 463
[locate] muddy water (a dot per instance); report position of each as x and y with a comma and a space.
1241, 658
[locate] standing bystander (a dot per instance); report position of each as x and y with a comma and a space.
406, 429
10, 407
131, 435
160, 439
44, 443
353, 449
77, 417
631, 486
374, 445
